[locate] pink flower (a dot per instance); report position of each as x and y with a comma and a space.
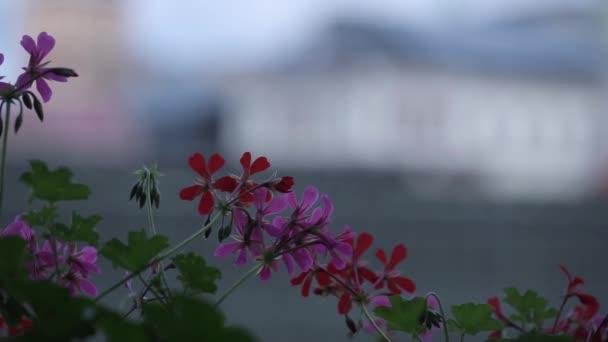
36, 69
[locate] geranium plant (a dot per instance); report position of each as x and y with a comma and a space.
46, 293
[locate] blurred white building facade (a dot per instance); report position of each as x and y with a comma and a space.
518, 134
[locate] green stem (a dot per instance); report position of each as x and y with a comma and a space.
4, 144
163, 276
373, 322
462, 337
151, 288
443, 316
164, 256
255, 269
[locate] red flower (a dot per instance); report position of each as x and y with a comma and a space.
358, 271
249, 169
573, 282
205, 184
305, 278
390, 277
345, 304
591, 304
281, 184
495, 303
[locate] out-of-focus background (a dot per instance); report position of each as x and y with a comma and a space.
473, 131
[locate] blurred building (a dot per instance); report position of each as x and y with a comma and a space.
87, 119
511, 110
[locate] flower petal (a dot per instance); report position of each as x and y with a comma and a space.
259, 165
246, 160
364, 241
265, 273
241, 259
225, 184
87, 287
206, 204
28, 44
46, 43
44, 89
380, 301
190, 193
344, 304
399, 254
405, 283
277, 204
303, 259
381, 256
215, 163
225, 249
288, 261
197, 163
310, 196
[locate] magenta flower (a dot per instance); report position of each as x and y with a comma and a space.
36, 70
3, 85
321, 216
242, 243
18, 228
276, 205
300, 209
83, 261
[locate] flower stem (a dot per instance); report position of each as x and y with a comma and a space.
373, 322
599, 328
164, 256
152, 226
7, 126
255, 269
559, 313
443, 316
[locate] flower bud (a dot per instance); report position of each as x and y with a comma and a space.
281, 184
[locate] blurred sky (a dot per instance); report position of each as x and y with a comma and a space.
219, 32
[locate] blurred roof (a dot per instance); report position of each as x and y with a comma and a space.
558, 44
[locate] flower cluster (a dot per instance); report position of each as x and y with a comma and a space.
36, 72
354, 282
272, 225
582, 323
65, 263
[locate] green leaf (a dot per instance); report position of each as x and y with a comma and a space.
45, 217
60, 317
195, 274
137, 253
404, 315
473, 318
53, 186
82, 229
190, 319
12, 260
530, 307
